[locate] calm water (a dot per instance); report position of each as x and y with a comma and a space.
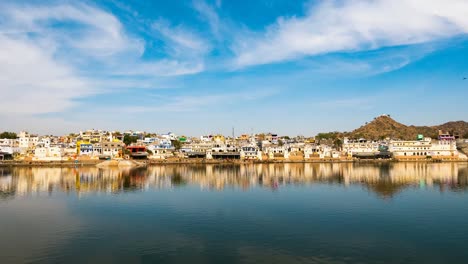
293, 213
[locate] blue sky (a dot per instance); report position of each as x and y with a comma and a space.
201, 66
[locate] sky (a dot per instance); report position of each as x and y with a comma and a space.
198, 67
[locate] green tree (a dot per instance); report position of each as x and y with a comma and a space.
9, 135
126, 151
466, 135
330, 135
337, 143
280, 143
177, 144
129, 139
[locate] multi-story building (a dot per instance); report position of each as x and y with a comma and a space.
9, 146
107, 149
49, 153
250, 153
84, 148
92, 135
272, 138
360, 147
426, 147
27, 141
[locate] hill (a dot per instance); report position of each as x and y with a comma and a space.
384, 126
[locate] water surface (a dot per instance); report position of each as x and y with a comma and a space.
275, 213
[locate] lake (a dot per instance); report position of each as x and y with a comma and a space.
268, 213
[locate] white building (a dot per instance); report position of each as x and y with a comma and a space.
311, 150
328, 152
205, 138
359, 146
222, 147
170, 136
9, 146
50, 153
8, 142
424, 148
27, 141
107, 149
44, 141
250, 153
111, 149
160, 152
277, 152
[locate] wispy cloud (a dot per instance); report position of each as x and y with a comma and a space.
53, 54
209, 14
348, 26
96, 33
181, 42
366, 63
31, 81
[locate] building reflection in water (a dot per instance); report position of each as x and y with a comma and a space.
384, 179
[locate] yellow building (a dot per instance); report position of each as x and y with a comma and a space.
84, 147
219, 138
244, 137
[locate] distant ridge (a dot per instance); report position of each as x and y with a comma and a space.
384, 126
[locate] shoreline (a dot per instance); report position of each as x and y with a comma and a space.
90, 163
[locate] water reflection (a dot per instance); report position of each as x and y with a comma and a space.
386, 180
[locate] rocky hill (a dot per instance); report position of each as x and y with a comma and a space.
384, 126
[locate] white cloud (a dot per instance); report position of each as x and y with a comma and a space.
180, 41
355, 25
210, 15
95, 32
32, 82
368, 63
51, 55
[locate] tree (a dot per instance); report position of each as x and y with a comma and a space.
177, 144
280, 143
337, 143
9, 135
330, 135
466, 135
129, 139
126, 151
